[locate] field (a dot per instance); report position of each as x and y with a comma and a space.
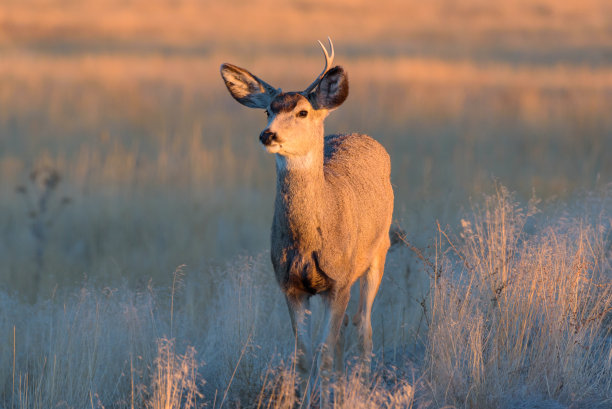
136, 201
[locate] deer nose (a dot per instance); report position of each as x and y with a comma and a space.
266, 137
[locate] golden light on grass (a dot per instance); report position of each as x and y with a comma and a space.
124, 101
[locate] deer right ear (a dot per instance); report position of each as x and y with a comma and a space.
332, 90
246, 88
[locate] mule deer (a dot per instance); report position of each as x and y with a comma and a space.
333, 210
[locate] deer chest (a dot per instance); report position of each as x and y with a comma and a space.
298, 271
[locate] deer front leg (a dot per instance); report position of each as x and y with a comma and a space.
335, 306
299, 311
339, 351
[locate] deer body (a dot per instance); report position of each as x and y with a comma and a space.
333, 210
330, 217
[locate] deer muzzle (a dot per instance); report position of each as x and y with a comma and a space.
267, 137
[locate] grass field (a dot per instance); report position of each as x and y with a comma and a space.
135, 200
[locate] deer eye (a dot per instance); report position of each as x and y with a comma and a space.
302, 114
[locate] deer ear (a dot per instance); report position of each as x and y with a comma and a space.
246, 88
332, 90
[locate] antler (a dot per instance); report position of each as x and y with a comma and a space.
328, 62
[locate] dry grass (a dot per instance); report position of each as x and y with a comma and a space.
175, 378
542, 29
157, 146
157, 167
518, 316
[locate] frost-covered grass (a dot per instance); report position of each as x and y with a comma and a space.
512, 308
521, 308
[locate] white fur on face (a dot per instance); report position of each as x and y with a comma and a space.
297, 136
272, 148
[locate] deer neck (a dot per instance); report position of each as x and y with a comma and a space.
299, 191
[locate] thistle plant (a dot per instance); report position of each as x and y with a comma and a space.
42, 209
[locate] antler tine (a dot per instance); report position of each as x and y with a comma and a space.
328, 62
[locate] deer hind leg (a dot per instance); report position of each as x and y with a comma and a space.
368, 287
335, 307
299, 311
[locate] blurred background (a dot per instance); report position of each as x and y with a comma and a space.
123, 156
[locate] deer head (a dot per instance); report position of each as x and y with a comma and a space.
295, 119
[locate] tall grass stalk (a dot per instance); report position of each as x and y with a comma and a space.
350, 392
175, 380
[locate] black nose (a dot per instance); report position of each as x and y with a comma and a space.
266, 137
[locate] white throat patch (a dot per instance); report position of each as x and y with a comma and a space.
285, 163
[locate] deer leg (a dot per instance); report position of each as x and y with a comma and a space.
335, 307
339, 350
357, 316
369, 285
339, 359
299, 311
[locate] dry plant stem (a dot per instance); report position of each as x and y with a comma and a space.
13, 378
131, 383
242, 352
178, 272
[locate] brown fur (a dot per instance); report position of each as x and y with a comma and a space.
327, 229
284, 102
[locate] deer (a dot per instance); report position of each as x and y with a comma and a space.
332, 214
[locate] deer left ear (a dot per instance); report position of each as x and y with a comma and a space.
246, 88
332, 90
